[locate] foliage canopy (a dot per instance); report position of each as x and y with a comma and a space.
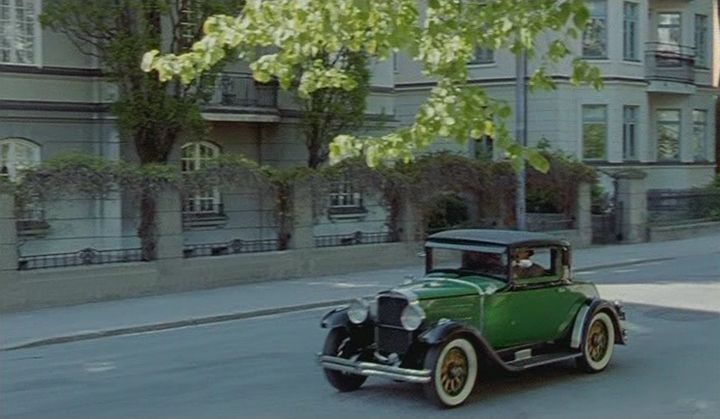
283, 38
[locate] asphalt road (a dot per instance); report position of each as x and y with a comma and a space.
265, 367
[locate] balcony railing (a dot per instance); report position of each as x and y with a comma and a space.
241, 90
670, 62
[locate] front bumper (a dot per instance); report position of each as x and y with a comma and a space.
372, 369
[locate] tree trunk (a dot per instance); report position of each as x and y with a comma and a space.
147, 231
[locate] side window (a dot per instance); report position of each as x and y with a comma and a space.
537, 264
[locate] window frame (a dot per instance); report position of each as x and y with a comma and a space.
630, 123
482, 56
701, 34
605, 44
344, 190
631, 24
12, 38
195, 205
703, 157
660, 123
590, 121
11, 165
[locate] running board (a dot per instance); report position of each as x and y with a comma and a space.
542, 359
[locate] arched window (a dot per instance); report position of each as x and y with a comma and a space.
195, 156
17, 154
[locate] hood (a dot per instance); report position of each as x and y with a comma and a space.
451, 286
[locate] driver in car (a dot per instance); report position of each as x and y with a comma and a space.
524, 266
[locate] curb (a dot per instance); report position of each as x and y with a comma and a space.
235, 316
172, 325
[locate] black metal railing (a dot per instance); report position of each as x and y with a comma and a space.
240, 89
88, 256
229, 248
669, 62
351, 239
668, 206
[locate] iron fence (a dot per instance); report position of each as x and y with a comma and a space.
667, 206
88, 256
358, 237
232, 247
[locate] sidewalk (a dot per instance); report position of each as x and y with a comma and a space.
87, 321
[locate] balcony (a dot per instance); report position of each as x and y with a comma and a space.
239, 98
670, 68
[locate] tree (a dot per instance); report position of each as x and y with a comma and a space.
331, 111
299, 30
152, 113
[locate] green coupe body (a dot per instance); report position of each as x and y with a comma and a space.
488, 298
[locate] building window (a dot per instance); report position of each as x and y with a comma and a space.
668, 136
669, 31
345, 198
630, 31
700, 149
17, 154
630, 133
196, 156
482, 56
19, 31
483, 148
701, 41
594, 41
594, 131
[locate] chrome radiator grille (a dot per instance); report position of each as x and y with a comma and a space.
389, 333
390, 309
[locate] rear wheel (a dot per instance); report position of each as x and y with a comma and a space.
453, 367
338, 344
598, 345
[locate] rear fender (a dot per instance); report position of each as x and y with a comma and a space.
587, 311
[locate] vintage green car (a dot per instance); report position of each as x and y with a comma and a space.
488, 298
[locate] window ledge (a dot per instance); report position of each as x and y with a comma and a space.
347, 213
204, 221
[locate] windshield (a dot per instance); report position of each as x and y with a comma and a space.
489, 262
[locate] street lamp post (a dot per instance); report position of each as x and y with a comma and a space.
521, 134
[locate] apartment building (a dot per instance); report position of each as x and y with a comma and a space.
659, 60
659, 63
54, 100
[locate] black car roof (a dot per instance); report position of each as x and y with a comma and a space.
512, 238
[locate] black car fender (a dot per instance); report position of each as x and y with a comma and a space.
447, 330
335, 318
587, 311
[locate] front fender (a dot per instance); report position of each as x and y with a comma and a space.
335, 318
443, 332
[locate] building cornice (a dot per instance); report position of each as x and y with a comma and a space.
53, 106
51, 71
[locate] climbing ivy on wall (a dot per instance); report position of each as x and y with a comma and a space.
490, 185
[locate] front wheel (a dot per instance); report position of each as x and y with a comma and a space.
599, 344
453, 367
338, 344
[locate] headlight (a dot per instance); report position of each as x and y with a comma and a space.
412, 317
358, 311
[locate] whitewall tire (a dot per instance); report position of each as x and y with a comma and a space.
599, 343
453, 367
